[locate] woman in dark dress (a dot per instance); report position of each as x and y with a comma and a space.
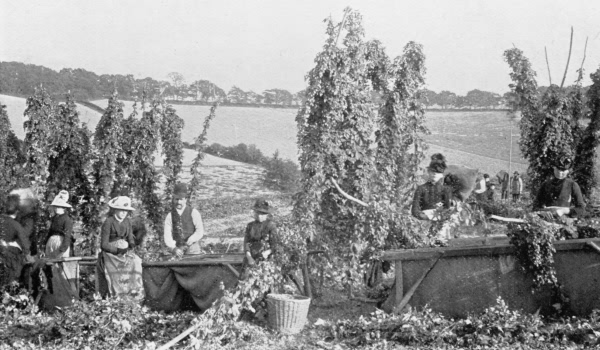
560, 195
434, 193
260, 240
58, 240
62, 277
119, 269
14, 245
27, 216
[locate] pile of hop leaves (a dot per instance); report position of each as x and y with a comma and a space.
582, 228
496, 327
534, 241
100, 323
247, 301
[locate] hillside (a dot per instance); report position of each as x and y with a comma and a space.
270, 129
475, 139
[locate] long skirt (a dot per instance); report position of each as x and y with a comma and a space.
62, 278
11, 264
119, 274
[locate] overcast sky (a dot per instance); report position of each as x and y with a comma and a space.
264, 44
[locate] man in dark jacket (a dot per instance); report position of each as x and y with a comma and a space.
560, 195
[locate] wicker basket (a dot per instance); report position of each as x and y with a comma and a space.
287, 313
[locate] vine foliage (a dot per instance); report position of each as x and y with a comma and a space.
534, 241
372, 151
200, 143
12, 157
550, 125
587, 162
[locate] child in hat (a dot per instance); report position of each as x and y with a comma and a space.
516, 186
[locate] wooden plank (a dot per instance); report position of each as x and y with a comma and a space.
202, 256
70, 258
478, 241
234, 271
188, 263
399, 306
594, 246
306, 277
399, 282
504, 219
429, 253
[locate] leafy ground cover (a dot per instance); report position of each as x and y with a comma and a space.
334, 322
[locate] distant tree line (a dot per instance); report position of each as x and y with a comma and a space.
20, 79
475, 99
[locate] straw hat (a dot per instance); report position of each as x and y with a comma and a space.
121, 203
61, 200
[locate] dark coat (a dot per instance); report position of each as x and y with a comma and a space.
428, 195
560, 193
113, 230
61, 225
260, 237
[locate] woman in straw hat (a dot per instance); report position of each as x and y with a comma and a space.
119, 269
61, 276
58, 240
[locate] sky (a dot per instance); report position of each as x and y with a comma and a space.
262, 44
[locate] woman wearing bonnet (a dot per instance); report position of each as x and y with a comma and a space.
434, 193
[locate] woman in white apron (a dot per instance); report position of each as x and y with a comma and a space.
62, 277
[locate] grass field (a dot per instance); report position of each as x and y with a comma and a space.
474, 139
270, 129
482, 133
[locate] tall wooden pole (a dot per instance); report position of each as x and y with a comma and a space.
510, 153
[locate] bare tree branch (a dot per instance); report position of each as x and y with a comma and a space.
568, 59
346, 11
584, 54
347, 195
548, 65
